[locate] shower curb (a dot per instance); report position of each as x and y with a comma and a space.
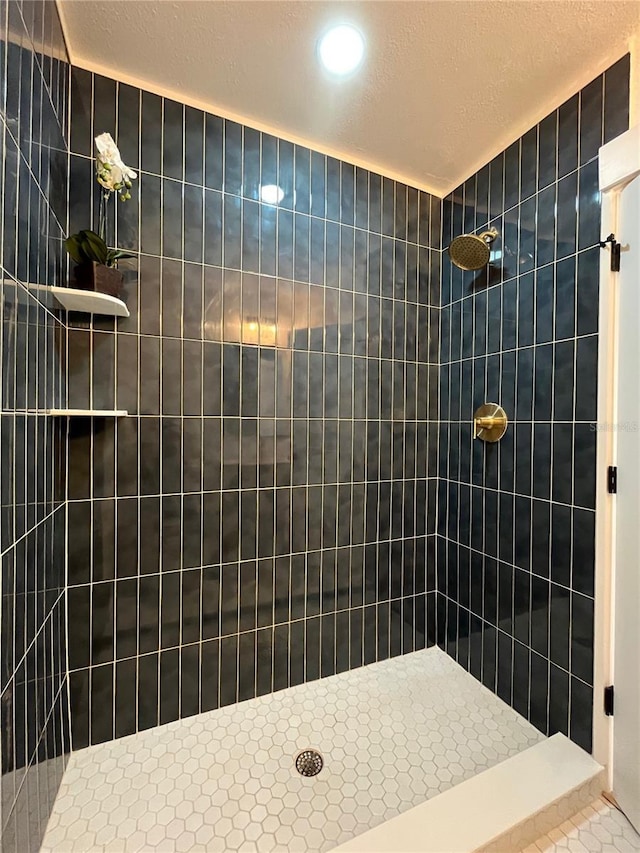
501, 810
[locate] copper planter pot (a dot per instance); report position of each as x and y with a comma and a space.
99, 278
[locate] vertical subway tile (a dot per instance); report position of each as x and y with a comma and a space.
616, 99
591, 119
568, 136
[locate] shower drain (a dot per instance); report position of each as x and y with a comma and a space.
309, 762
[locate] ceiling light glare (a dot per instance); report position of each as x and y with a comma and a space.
341, 49
271, 194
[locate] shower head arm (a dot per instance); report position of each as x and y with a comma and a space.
489, 236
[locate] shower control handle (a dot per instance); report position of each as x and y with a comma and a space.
483, 423
490, 422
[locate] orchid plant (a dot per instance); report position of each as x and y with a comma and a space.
114, 176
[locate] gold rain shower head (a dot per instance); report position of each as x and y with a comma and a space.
472, 252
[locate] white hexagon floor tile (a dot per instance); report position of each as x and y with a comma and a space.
392, 735
599, 828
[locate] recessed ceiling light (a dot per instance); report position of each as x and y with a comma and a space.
341, 49
271, 194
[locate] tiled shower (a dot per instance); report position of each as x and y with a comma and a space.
295, 491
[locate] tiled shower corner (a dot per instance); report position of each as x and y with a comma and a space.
516, 519
34, 709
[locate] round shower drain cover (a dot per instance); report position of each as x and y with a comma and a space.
309, 762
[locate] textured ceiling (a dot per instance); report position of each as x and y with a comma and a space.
444, 85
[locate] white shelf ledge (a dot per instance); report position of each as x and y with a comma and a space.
87, 301
87, 413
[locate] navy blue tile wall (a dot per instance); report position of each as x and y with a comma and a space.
266, 515
34, 78
516, 519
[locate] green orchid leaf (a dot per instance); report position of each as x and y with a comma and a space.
74, 248
120, 253
88, 232
95, 246
116, 255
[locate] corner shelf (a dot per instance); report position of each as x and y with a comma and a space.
87, 301
87, 413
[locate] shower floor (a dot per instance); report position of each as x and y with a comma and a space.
392, 734
597, 829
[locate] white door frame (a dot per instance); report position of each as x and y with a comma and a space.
619, 163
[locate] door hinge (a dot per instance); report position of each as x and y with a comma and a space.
608, 700
615, 251
612, 479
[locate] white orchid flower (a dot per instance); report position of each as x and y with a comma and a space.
112, 173
106, 147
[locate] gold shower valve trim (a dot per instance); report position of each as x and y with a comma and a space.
490, 422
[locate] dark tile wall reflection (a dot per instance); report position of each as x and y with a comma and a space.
516, 519
34, 77
266, 515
